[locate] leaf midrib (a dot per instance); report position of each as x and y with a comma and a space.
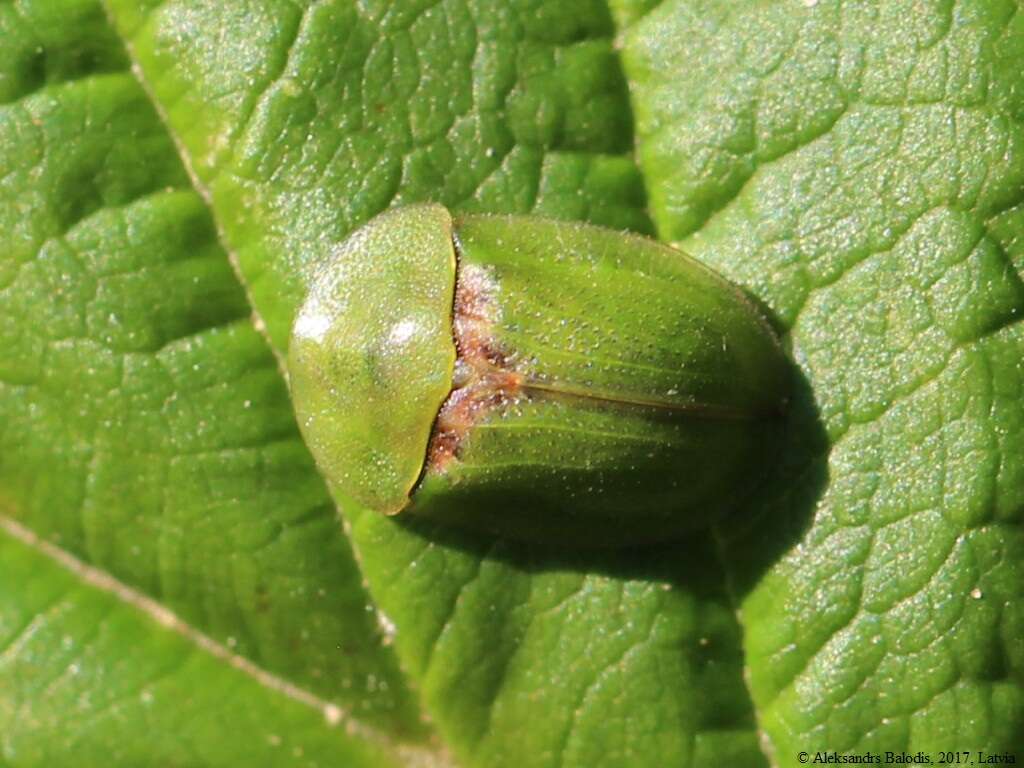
334, 715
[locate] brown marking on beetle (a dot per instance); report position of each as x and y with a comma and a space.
485, 379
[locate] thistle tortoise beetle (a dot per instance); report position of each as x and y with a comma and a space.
536, 379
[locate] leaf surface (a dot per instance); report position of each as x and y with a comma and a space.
145, 426
95, 674
340, 110
860, 167
856, 166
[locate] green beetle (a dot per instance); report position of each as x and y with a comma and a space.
535, 379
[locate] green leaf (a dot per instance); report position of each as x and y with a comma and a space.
94, 674
861, 169
302, 120
857, 166
340, 111
146, 429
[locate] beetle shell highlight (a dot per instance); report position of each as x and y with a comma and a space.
535, 379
